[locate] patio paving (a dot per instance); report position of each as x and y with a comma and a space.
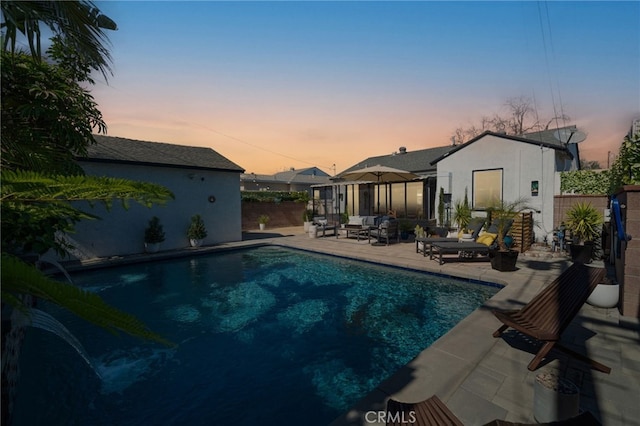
480, 378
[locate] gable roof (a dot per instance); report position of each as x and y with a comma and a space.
419, 162
544, 138
109, 149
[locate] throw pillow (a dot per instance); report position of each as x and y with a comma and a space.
487, 238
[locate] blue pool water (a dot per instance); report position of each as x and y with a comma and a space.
264, 336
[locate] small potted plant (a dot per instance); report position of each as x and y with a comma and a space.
197, 231
462, 216
405, 227
262, 221
502, 216
344, 219
307, 217
585, 223
153, 235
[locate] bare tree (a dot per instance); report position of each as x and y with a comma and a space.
519, 119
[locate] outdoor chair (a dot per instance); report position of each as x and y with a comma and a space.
433, 412
429, 412
387, 231
475, 225
583, 419
551, 311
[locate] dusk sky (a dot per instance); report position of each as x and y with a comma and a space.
275, 85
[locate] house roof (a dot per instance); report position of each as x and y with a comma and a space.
419, 162
310, 175
111, 149
544, 138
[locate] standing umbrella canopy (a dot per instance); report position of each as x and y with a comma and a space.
379, 174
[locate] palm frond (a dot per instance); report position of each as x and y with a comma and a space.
30, 187
19, 278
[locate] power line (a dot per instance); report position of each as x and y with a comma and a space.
259, 147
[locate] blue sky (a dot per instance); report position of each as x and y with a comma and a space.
274, 85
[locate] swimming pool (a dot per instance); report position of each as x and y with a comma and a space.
265, 335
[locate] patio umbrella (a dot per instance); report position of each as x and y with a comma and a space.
379, 174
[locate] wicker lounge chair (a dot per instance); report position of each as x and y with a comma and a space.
551, 311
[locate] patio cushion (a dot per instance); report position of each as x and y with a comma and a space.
355, 220
487, 238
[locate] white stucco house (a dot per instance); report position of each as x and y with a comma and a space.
203, 182
499, 166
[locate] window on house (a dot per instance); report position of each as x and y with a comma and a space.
487, 188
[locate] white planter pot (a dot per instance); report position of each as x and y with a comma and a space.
554, 398
194, 242
605, 296
306, 226
312, 231
262, 226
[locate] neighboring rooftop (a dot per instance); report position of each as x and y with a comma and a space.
111, 149
309, 175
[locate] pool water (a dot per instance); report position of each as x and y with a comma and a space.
264, 336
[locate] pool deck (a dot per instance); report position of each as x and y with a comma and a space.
479, 377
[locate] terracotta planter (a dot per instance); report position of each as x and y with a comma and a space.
503, 261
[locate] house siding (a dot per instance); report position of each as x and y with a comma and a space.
521, 163
121, 231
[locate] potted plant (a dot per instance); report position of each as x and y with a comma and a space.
405, 227
307, 217
344, 219
503, 214
153, 235
462, 215
554, 398
197, 231
262, 221
585, 223
606, 294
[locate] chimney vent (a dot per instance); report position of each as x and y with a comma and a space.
403, 150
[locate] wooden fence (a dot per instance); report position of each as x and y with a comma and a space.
522, 232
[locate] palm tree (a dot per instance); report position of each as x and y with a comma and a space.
77, 24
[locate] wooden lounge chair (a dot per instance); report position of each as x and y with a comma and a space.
583, 419
551, 311
425, 413
433, 412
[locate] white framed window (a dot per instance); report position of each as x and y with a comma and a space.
487, 187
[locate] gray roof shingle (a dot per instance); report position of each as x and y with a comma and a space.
122, 150
418, 162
